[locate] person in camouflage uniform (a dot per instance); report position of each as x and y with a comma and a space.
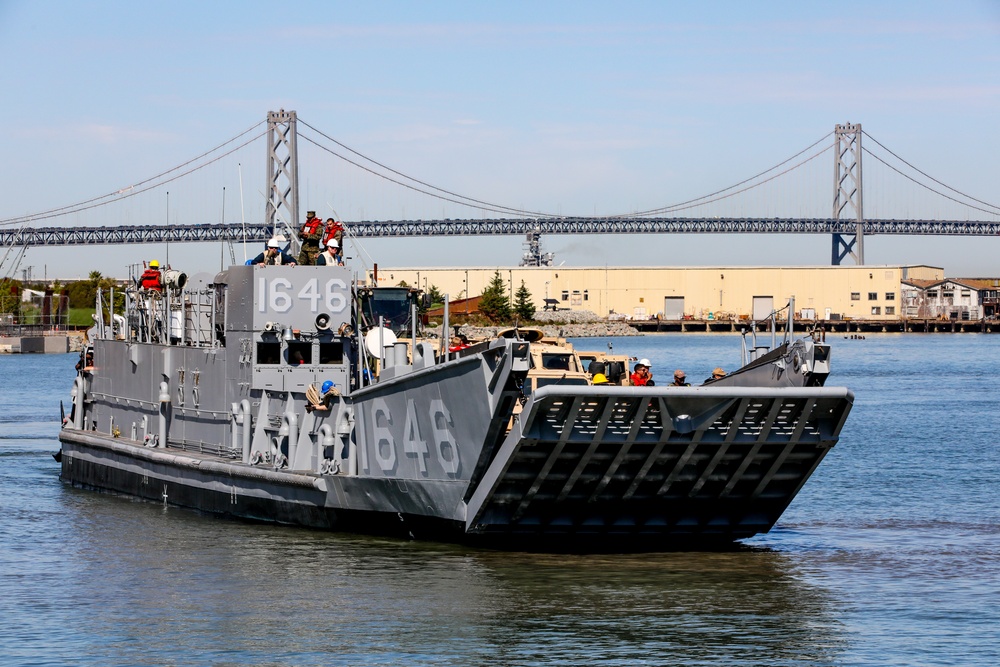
310, 234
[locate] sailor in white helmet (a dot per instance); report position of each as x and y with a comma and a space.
329, 254
273, 255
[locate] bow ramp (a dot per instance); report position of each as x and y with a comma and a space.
692, 463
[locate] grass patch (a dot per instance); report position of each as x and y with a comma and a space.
80, 317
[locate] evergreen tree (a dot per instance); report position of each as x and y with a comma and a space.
523, 307
432, 298
494, 303
436, 295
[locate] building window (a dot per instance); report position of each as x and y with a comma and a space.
855, 296
873, 296
890, 310
947, 295
586, 295
932, 294
565, 295
966, 292
876, 310
890, 296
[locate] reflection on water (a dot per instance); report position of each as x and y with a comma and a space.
181, 582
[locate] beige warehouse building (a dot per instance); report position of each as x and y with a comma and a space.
719, 292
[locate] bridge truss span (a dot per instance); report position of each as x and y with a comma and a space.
235, 232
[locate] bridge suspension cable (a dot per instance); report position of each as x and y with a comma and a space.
707, 199
498, 209
136, 188
995, 211
702, 201
476, 203
456, 198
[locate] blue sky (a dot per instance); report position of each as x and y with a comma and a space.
574, 108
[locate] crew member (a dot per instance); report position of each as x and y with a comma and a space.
310, 235
600, 378
329, 254
334, 231
680, 379
717, 374
458, 342
642, 376
273, 255
151, 277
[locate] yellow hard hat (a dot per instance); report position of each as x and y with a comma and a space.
600, 378
154, 264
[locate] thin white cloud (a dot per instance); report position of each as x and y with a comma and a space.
96, 132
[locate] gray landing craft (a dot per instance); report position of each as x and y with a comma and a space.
210, 394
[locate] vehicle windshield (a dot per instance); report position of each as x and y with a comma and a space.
392, 304
557, 361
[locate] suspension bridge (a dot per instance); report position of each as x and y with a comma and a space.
847, 225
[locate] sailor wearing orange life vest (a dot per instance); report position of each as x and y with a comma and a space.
334, 231
310, 235
151, 277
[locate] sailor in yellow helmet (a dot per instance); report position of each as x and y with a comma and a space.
600, 378
150, 278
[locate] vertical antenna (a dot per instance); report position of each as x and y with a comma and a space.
167, 260
222, 244
243, 213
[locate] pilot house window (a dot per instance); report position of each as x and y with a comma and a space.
268, 352
331, 353
300, 353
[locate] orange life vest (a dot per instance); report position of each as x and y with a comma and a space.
332, 230
151, 279
311, 227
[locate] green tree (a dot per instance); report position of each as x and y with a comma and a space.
434, 296
494, 304
523, 307
10, 296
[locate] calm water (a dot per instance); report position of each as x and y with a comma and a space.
889, 556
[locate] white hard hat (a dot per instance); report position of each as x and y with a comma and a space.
274, 243
643, 362
333, 244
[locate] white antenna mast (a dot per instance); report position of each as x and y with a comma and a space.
243, 213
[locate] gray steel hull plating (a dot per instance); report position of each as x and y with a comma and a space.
590, 468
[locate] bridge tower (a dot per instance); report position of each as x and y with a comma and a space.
847, 192
283, 175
